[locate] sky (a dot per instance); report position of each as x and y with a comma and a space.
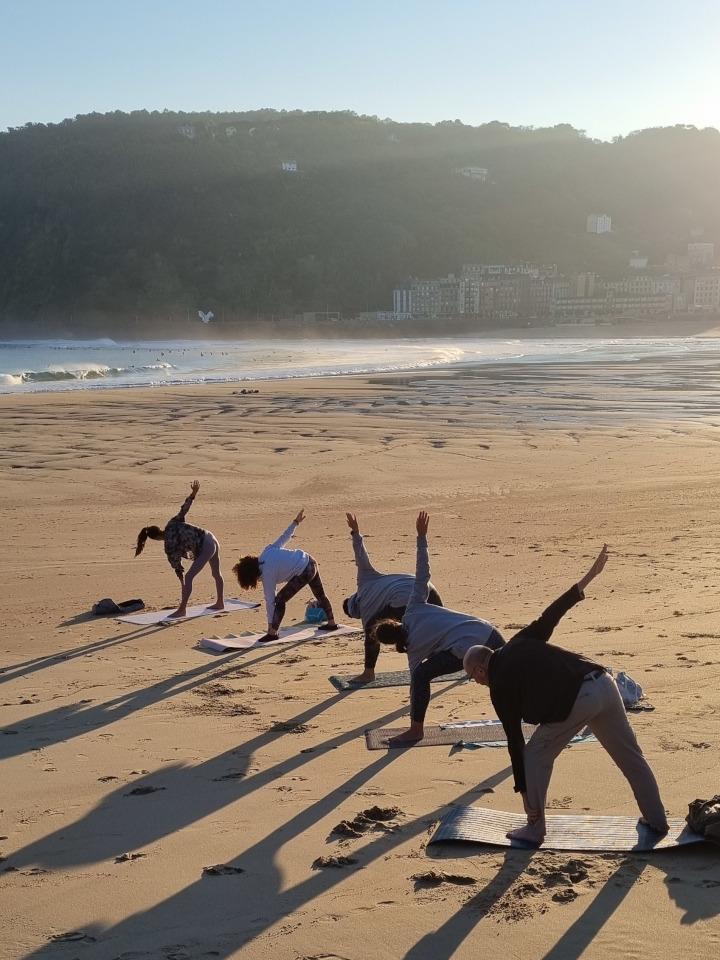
605, 66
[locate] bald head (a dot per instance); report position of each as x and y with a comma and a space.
476, 662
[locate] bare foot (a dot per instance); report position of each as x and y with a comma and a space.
267, 638
367, 676
216, 606
531, 833
661, 830
176, 614
409, 736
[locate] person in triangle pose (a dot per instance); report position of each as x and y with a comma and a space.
534, 681
184, 541
293, 568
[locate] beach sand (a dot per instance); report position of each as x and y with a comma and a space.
250, 759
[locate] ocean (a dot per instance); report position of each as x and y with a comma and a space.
54, 365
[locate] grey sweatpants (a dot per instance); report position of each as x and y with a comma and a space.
599, 706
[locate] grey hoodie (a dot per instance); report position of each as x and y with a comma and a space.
376, 590
432, 629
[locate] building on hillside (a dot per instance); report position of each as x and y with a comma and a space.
480, 271
187, 130
638, 261
701, 254
475, 173
289, 166
402, 300
585, 284
706, 293
598, 223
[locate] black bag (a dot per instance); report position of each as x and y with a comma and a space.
704, 818
106, 607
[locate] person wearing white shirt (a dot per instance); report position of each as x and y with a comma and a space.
293, 568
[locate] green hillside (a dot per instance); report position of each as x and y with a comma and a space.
151, 214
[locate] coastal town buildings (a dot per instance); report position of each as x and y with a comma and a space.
598, 223
534, 294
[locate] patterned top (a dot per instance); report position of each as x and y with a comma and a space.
182, 539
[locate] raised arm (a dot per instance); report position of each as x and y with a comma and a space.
422, 563
194, 487
543, 627
362, 559
287, 534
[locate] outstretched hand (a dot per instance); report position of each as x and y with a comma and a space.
595, 569
422, 523
300, 517
194, 487
352, 522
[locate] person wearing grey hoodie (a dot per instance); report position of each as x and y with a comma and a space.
435, 639
379, 596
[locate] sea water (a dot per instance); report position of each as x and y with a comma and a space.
51, 365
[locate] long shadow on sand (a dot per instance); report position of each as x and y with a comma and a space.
75, 719
27, 667
125, 821
226, 922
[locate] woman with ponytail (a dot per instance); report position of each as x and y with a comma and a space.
182, 540
434, 638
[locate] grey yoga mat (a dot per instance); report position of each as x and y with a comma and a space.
378, 738
564, 832
398, 678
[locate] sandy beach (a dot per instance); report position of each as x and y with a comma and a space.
251, 759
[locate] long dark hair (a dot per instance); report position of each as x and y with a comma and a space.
155, 533
389, 632
247, 571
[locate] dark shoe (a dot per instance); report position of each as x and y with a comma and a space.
327, 628
267, 638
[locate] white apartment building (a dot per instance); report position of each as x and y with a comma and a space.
707, 292
598, 223
701, 254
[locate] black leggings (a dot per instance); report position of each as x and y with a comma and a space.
372, 647
308, 577
436, 666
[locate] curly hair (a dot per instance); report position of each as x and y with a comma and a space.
247, 571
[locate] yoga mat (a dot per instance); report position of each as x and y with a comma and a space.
398, 678
565, 832
201, 610
300, 631
489, 731
473, 734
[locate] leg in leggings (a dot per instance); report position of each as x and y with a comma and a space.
436, 666
218, 578
316, 585
209, 547
293, 586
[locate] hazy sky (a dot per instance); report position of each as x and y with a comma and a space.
605, 66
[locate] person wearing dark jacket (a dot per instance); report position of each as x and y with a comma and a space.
379, 596
534, 681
